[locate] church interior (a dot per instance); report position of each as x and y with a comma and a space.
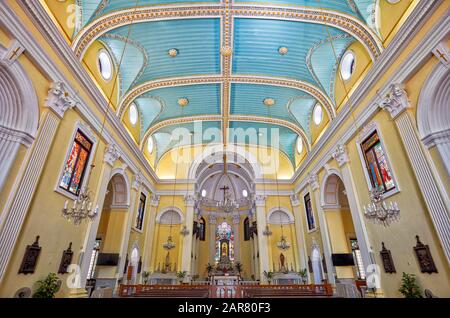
224, 148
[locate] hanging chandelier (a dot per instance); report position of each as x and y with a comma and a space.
81, 209
380, 212
169, 244
283, 244
267, 231
184, 231
227, 205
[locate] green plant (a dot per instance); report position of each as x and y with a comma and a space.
145, 276
181, 275
268, 276
303, 273
409, 287
47, 287
209, 268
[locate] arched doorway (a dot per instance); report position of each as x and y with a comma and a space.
19, 114
105, 258
345, 251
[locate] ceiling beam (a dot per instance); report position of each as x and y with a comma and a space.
215, 79
117, 19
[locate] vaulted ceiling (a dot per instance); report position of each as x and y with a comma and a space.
229, 57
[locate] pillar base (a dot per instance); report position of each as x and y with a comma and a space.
78, 293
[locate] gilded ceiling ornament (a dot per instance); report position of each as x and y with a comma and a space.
226, 51
173, 52
269, 101
183, 102
283, 50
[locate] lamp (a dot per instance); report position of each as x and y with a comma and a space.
267, 231
169, 244
380, 212
81, 209
283, 244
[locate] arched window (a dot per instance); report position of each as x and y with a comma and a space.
246, 229
202, 229
224, 242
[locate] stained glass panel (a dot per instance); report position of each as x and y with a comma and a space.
76, 164
377, 164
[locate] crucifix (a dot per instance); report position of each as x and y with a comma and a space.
225, 189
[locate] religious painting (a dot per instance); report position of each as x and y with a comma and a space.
66, 260
309, 213
141, 212
377, 165
30, 258
202, 229
247, 229
424, 257
76, 164
224, 242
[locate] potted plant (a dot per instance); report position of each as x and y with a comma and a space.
145, 276
269, 276
238, 267
209, 269
47, 287
303, 273
181, 276
409, 287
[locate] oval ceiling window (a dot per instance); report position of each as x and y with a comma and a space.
347, 65
299, 145
105, 65
245, 193
150, 145
318, 115
204, 193
133, 114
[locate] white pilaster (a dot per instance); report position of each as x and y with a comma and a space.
341, 156
299, 232
263, 246
397, 103
110, 156
313, 181
150, 232
236, 224
187, 240
212, 237
17, 206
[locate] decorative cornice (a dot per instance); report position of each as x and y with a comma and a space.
112, 154
236, 218
58, 99
212, 219
438, 138
137, 181
340, 155
13, 135
396, 101
295, 201
190, 200
117, 19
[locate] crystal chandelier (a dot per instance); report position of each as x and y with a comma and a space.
227, 205
184, 231
380, 212
267, 231
169, 244
81, 209
283, 244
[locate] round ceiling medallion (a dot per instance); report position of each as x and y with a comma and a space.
183, 102
283, 50
173, 52
269, 102
226, 51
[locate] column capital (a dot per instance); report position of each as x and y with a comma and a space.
313, 181
340, 154
189, 199
396, 101
295, 201
137, 181
212, 219
112, 154
260, 200
58, 99
155, 200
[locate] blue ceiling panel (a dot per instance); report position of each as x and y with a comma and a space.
337, 5
197, 42
257, 42
276, 136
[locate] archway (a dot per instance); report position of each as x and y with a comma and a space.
105, 258
433, 113
345, 250
19, 113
